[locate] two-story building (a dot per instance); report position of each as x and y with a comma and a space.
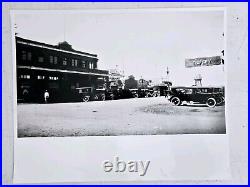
57, 68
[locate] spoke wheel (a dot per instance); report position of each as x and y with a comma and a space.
211, 102
176, 101
85, 99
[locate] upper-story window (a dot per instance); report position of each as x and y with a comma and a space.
53, 59
74, 62
91, 65
83, 64
26, 55
29, 56
65, 61
40, 59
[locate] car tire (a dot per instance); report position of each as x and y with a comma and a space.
219, 101
176, 101
136, 95
85, 99
211, 102
103, 97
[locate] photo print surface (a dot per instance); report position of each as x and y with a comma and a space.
112, 73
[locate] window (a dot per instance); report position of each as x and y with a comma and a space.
91, 65
29, 56
53, 59
64, 61
53, 78
188, 91
40, 77
74, 62
40, 59
24, 55
25, 76
83, 64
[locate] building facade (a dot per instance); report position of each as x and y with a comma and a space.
59, 69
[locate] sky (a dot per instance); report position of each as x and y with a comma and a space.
142, 44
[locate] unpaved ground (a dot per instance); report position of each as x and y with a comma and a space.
141, 116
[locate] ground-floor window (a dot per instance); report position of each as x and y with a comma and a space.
40, 77
25, 76
53, 78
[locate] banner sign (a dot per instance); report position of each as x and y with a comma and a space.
203, 61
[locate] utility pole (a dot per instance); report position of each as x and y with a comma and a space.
167, 74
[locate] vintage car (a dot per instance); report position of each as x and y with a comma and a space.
138, 93
91, 94
152, 93
134, 92
211, 96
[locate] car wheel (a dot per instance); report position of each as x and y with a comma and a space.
136, 95
211, 102
85, 99
219, 100
176, 101
103, 97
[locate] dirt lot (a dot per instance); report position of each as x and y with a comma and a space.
141, 116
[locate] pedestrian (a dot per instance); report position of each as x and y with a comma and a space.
46, 96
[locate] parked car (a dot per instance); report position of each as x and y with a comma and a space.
134, 92
211, 96
91, 94
138, 93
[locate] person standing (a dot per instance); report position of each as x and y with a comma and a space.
46, 96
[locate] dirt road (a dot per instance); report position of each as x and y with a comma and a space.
141, 116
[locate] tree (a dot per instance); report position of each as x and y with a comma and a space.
130, 83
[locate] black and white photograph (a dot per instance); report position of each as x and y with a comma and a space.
120, 72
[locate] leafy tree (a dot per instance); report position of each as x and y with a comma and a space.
131, 83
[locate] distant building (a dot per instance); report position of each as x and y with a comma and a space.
56, 68
116, 79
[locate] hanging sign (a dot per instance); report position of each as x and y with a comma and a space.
203, 61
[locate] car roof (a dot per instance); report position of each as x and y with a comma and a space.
83, 87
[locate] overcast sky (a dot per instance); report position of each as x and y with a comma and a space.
142, 44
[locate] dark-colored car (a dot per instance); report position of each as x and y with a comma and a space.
138, 93
91, 94
211, 96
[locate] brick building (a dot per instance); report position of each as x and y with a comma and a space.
57, 68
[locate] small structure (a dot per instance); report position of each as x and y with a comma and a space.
197, 80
